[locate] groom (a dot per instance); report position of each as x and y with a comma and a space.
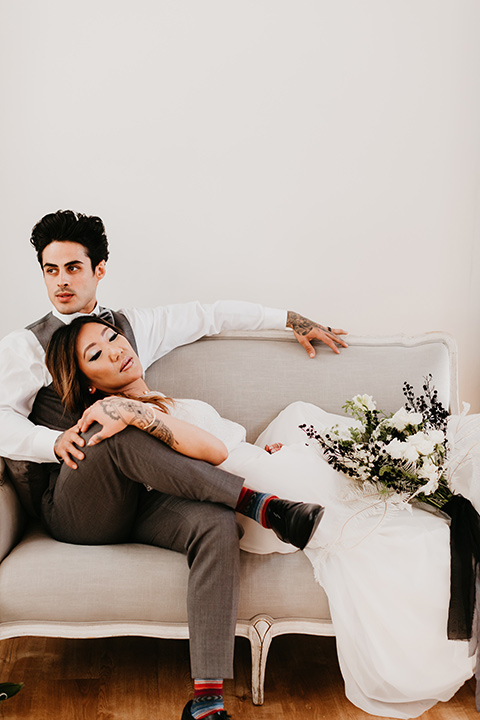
41, 442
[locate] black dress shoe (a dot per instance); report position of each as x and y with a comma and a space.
294, 522
219, 715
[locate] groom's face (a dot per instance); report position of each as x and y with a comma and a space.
69, 277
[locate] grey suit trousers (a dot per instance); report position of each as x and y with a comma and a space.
190, 510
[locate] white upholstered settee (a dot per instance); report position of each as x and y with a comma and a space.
49, 588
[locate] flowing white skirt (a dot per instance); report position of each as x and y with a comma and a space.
386, 572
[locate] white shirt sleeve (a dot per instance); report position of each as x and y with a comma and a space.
159, 330
23, 375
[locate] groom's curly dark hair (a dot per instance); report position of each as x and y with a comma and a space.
87, 230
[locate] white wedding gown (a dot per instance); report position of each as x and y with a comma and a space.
386, 570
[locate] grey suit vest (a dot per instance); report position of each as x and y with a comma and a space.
31, 479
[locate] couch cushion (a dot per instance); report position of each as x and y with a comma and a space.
127, 582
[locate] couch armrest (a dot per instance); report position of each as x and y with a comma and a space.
12, 516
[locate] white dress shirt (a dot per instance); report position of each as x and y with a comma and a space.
157, 331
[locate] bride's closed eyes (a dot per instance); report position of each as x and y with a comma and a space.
108, 335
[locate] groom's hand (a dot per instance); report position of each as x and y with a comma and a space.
306, 330
67, 447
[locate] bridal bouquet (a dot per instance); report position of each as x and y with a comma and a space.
407, 455
403, 453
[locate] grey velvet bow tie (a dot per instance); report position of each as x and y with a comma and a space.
106, 314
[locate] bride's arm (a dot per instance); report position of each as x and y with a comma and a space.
115, 413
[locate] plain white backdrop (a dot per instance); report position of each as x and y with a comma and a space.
316, 155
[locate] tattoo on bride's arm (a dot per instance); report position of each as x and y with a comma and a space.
159, 430
123, 409
142, 414
300, 324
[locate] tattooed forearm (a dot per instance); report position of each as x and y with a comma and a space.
159, 430
302, 325
142, 416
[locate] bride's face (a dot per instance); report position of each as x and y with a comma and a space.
107, 359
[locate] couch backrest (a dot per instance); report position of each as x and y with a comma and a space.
250, 377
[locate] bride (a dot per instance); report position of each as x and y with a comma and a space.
386, 571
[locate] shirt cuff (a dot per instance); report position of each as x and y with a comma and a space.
43, 445
274, 319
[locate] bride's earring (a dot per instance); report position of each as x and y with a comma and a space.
91, 389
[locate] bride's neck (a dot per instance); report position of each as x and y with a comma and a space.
136, 389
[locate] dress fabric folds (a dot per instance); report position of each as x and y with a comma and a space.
385, 569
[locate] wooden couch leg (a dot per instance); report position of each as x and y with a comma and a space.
260, 636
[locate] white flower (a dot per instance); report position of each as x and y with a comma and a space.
426, 443
365, 402
410, 453
428, 488
395, 449
422, 443
402, 418
402, 450
428, 471
436, 436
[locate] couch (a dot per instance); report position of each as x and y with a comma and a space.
49, 588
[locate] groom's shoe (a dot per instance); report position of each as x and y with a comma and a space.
294, 522
219, 715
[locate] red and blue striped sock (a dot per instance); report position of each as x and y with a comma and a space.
254, 505
208, 697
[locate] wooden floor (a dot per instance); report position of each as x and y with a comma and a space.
145, 679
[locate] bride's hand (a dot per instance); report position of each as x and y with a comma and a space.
113, 414
275, 447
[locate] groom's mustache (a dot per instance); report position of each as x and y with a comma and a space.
62, 291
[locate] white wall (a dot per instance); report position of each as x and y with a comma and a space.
318, 155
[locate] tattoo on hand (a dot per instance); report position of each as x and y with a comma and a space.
110, 409
302, 325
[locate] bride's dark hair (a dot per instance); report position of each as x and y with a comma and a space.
69, 382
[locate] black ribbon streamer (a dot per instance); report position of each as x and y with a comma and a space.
474, 647
464, 571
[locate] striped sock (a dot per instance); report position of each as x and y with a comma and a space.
254, 505
208, 697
